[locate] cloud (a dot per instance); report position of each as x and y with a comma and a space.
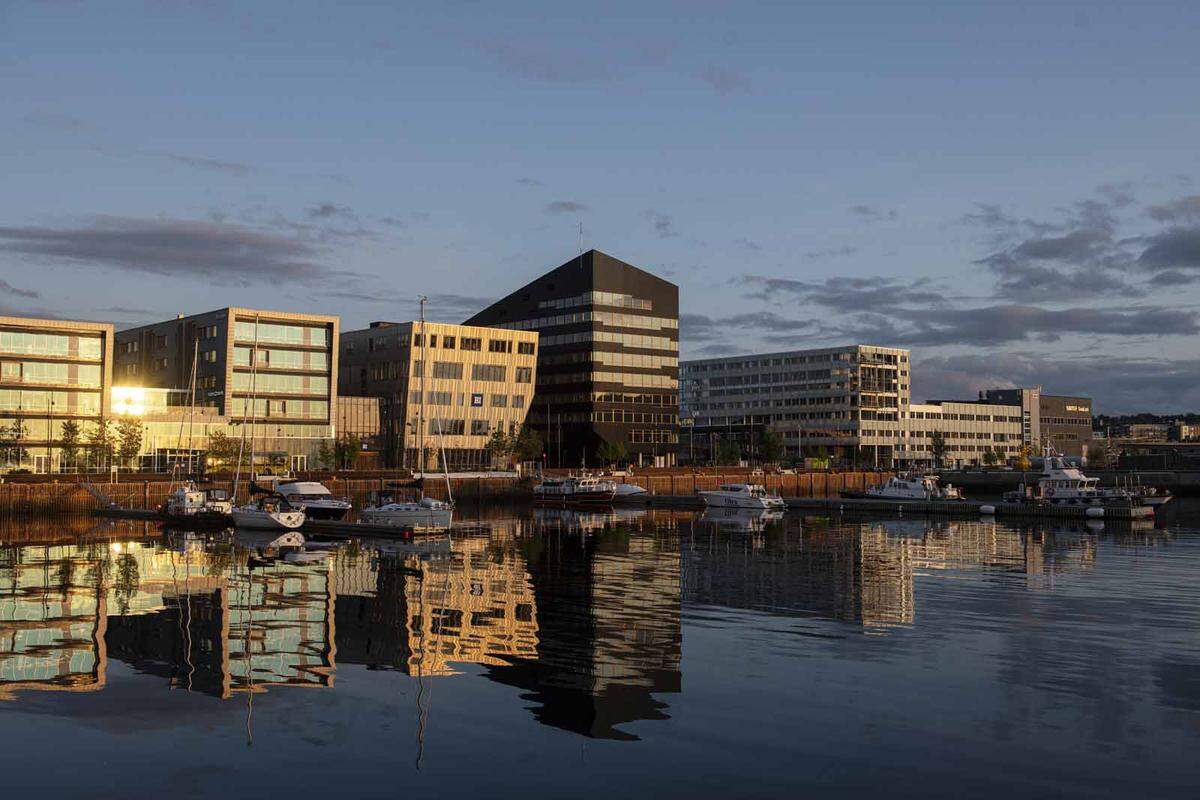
531, 182
704, 328
329, 211
444, 307
664, 226
725, 81
1183, 209
1172, 249
8, 288
845, 294
874, 214
1001, 324
172, 248
213, 164
565, 207
749, 244
1118, 384
830, 252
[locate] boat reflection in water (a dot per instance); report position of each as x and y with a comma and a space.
589, 629
741, 520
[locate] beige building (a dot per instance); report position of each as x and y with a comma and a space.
969, 430
479, 380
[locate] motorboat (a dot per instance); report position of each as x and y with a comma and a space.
585, 490
195, 504
270, 512
742, 495
629, 493
316, 501
908, 487
1061, 484
386, 508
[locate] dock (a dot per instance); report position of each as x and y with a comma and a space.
963, 508
321, 527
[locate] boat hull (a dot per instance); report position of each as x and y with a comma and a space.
575, 499
268, 520
721, 500
417, 518
326, 512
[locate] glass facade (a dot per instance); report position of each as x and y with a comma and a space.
278, 333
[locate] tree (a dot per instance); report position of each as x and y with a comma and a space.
989, 458
129, 439
11, 437
1024, 458
223, 448
937, 446
728, 452
100, 442
327, 454
69, 443
345, 450
770, 447
612, 453
500, 445
528, 445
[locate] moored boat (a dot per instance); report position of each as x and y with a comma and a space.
386, 508
1064, 486
910, 486
585, 490
269, 513
194, 504
314, 499
742, 495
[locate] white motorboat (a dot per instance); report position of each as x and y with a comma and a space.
741, 520
629, 493
742, 495
909, 487
585, 490
385, 508
195, 504
268, 513
316, 501
1063, 485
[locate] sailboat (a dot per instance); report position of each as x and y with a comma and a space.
191, 502
386, 507
266, 510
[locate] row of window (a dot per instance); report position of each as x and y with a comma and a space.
611, 318
41, 401
280, 359
635, 417
458, 427
448, 398
610, 359
270, 383
599, 299
293, 409
277, 333
87, 348
40, 372
645, 341
629, 379
653, 436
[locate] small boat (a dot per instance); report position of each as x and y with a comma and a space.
316, 501
629, 493
742, 495
741, 520
585, 490
910, 486
268, 513
194, 504
385, 508
1061, 484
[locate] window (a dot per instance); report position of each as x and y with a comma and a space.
447, 342
210, 356
439, 398
479, 427
418, 340
130, 347
524, 375
160, 342
131, 369
499, 346
487, 372
499, 401
447, 427
518, 401
160, 363
447, 369
525, 348
469, 343
433, 340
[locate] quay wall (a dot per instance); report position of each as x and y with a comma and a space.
997, 481
73, 497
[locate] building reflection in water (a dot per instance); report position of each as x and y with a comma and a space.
581, 613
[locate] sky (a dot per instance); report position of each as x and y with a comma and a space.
1011, 190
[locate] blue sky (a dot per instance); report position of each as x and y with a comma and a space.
1008, 189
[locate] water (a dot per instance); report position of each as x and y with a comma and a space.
659, 653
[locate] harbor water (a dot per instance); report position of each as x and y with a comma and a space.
552, 653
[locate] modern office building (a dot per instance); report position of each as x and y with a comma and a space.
608, 371
969, 430
52, 372
845, 402
1062, 421
479, 380
271, 370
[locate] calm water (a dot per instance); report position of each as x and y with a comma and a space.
561, 655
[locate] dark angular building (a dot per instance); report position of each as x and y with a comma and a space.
608, 363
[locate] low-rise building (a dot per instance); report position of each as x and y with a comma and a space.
54, 375
844, 402
1059, 420
967, 430
479, 380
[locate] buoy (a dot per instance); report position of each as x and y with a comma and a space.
987, 511
1095, 511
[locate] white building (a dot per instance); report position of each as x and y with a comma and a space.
969, 430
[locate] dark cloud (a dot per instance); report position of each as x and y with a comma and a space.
845, 294
1001, 324
213, 164
171, 248
1172, 278
703, 328
830, 252
874, 214
1183, 209
1173, 249
725, 81
565, 207
8, 288
663, 225
1118, 384
330, 211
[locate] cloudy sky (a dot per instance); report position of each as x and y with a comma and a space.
1011, 190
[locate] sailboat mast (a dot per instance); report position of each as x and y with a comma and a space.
424, 369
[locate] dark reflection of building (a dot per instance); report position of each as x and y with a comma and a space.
609, 632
